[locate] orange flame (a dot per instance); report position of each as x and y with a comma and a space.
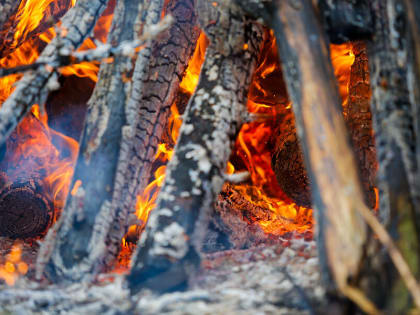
13, 267
34, 149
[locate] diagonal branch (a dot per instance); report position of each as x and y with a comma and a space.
34, 87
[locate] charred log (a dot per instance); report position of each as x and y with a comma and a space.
393, 120
24, 210
169, 248
78, 249
157, 74
287, 159
346, 20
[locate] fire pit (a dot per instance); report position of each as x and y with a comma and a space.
195, 156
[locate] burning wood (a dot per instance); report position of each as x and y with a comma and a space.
236, 177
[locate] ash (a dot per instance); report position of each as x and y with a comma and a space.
281, 278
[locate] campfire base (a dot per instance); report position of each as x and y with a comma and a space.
281, 279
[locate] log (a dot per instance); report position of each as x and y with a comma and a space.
157, 75
169, 248
24, 210
337, 193
75, 248
287, 159
346, 20
34, 87
393, 119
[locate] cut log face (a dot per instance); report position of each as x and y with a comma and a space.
24, 211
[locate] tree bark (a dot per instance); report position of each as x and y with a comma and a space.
393, 121
336, 190
346, 20
75, 247
169, 248
156, 80
34, 87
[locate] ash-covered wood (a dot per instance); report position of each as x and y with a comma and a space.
157, 74
24, 210
35, 86
77, 250
168, 252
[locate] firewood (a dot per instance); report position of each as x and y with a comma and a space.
331, 166
287, 159
8, 43
346, 20
24, 210
157, 74
34, 87
169, 247
78, 248
394, 123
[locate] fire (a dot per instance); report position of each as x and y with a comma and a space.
34, 149
12, 266
252, 152
146, 201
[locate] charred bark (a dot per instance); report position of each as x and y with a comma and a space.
346, 20
156, 80
24, 210
287, 159
75, 248
169, 248
34, 87
393, 121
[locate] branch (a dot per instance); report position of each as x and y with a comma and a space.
34, 87
103, 51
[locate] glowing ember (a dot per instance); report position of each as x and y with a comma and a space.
12, 266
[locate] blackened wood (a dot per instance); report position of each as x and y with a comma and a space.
75, 248
157, 74
8, 9
169, 248
336, 189
34, 87
288, 164
346, 20
358, 118
287, 159
396, 147
25, 212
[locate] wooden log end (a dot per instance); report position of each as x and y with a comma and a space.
24, 212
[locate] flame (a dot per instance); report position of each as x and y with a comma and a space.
34, 149
146, 201
252, 152
29, 15
13, 267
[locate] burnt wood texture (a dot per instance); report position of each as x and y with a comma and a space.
169, 248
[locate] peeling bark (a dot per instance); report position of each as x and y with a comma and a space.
34, 87
169, 248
